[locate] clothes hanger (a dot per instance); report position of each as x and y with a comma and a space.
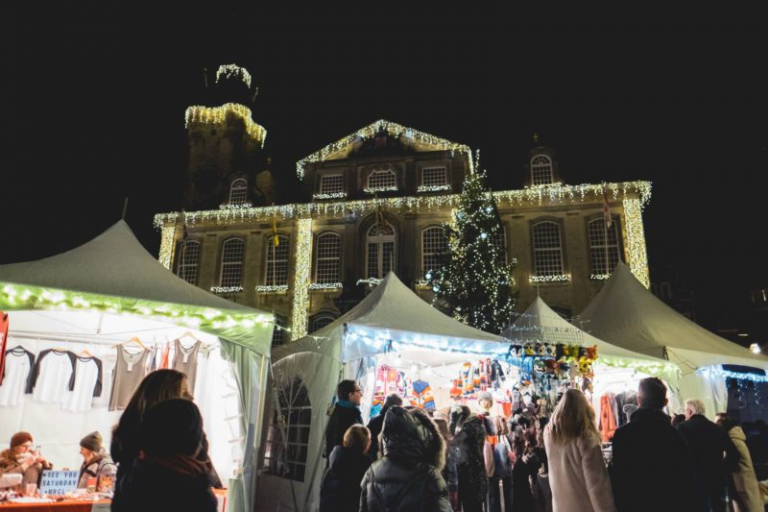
85, 353
188, 334
136, 340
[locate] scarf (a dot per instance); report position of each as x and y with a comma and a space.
346, 404
188, 466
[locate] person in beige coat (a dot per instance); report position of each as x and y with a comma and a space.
746, 496
577, 474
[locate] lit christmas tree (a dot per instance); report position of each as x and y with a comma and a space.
474, 283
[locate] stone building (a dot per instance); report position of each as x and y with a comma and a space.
377, 201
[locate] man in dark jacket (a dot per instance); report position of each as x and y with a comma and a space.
345, 414
408, 478
652, 468
709, 445
376, 424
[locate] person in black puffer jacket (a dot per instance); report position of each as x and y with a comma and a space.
469, 435
408, 478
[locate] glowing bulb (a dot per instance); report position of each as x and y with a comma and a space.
755, 348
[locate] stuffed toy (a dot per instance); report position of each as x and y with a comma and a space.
529, 350
541, 349
559, 351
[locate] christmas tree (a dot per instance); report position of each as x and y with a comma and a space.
474, 282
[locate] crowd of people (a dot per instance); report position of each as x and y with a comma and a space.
452, 460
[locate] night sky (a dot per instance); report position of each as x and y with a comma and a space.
94, 101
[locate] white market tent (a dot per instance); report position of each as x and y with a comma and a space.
628, 315
110, 289
392, 319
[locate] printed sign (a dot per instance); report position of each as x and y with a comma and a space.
58, 482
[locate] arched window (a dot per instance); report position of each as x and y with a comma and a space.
277, 261
285, 453
279, 333
541, 170
382, 180
328, 262
380, 255
604, 251
547, 249
434, 245
238, 192
320, 320
189, 261
232, 262
499, 239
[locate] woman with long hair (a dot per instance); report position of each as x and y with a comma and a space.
577, 473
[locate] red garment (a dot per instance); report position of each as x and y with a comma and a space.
607, 419
4, 322
165, 356
507, 408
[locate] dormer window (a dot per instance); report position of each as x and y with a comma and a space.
332, 184
541, 170
238, 192
381, 181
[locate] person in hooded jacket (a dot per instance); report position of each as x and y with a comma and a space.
469, 435
377, 423
745, 490
407, 478
167, 475
451, 470
340, 490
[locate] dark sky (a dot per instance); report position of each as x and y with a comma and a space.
94, 102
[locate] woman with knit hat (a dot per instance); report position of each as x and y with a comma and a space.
167, 476
97, 465
20, 459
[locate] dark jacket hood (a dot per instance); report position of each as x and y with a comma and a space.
410, 436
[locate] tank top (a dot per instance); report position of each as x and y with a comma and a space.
129, 371
185, 361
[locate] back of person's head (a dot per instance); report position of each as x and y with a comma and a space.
410, 436
156, 387
501, 425
459, 414
573, 418
172, 427
391, 400
358, 438
652, 393
726, 422
344, 389
677, 419
695, 406
442, 427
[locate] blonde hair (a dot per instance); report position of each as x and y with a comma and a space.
501, 426
442, 427
696, 405
358, 438
573, 418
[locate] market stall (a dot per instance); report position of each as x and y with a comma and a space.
630, 316
75, 317
392, 341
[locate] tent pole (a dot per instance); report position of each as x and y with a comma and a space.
57, 337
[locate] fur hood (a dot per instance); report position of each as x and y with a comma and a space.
409, 436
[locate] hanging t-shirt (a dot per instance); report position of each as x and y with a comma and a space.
86, 384
52, 375
17, 376
185, 361
130, 370
4, 321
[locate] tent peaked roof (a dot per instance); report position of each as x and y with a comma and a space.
541, 321
626, 314
114, 264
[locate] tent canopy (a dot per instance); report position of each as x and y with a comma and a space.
113, 273
628, 315
393, 313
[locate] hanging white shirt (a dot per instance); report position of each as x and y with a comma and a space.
52, 375
87, 384
19, 363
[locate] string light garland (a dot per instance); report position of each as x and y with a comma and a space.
230, 70
235, 206
300, 306
218, 116
635, 233
374, 190
333, 195
326, 286
272, 288
562, 278
167, 237
371, 282
637, 191
341, 148
599, 277
433, 188
727, 374
226, 289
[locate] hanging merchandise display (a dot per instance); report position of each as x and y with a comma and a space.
52, 375
85, 385
4, 322
17, 376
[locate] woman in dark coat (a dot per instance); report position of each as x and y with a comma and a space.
167, 475
469, 436
408, 478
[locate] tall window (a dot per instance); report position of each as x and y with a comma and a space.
434, 245
547, 249
541, 170
321, 320
232, 262
331, 184
279, 333
499, 239
434, 176
277, 261
382, 180
189, 261
287, 443
328, 261
381, 251
603, 251
238, 192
